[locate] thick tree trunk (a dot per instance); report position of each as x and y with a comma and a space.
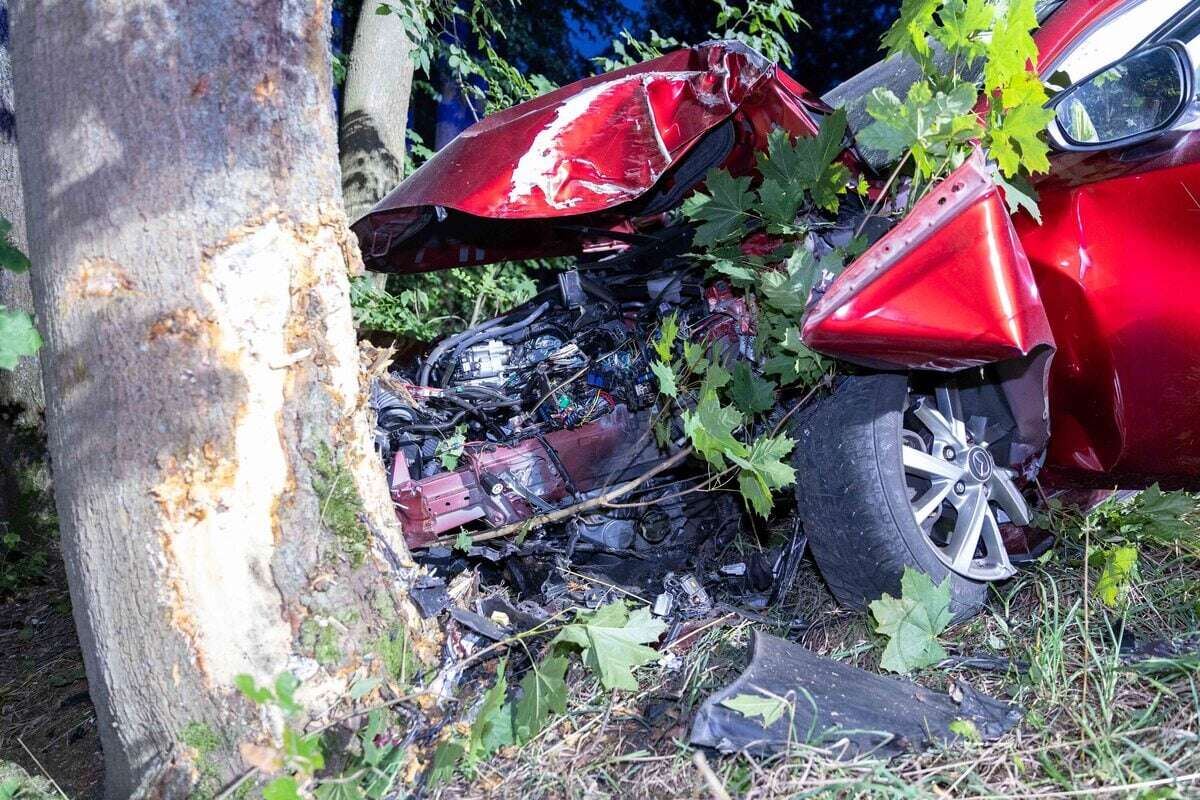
191, 253
23, 386
375, 110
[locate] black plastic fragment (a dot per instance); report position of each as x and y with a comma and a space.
863, 713
430, 596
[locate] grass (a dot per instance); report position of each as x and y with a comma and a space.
1095, 727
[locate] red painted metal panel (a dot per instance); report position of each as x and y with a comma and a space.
948, 288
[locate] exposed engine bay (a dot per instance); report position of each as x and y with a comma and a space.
554, 404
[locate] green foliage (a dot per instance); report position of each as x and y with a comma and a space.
1118, 574
342, 509
936, 122
18, 335
966, 729
29, 534
912, 622
450, 449
767, 707
17, 784
613, 642
543, 692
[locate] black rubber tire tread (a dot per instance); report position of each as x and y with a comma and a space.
852, 498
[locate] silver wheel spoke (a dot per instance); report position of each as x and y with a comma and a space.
951, 409
938, 425
1005, 493
997, 553
967, 530
931, 501
921, 463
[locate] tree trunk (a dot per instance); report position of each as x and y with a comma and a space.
375, 110
215, 479
23, 386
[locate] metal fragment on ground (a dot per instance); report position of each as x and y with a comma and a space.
836, 705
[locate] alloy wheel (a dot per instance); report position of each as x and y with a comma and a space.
959, 494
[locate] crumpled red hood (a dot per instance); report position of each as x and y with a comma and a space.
580, 152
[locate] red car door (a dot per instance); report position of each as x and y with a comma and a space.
1117, 260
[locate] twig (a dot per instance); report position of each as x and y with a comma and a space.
882, 194
53, 782
715, 787
579, 508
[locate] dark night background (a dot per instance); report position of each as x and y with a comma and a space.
557, 38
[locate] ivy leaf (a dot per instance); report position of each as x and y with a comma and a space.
667, 332
613, 642
1120, 570
913, 621
763, 471
666, 378
11, 257
750, 393
710, 428
544, 692
18, 337
721, 213
769, 709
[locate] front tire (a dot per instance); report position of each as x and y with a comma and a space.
860, 509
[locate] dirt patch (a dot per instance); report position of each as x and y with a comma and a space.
44, 703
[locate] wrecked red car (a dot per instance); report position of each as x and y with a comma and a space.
990, 350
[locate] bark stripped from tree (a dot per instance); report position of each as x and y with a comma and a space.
375, 110
191, 253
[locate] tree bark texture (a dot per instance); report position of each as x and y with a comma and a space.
23, 386
375, 110
191, 256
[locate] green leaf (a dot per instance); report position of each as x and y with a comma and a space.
253, 692
966, 729
544, 692
613, 642
787, 289
463, 542
715, 377
763, 471
769, 709
909, 33
446, 759
1012, 46
284, 788
806, 165
18, 337
11, 257
285, 687
450, 449
667, 333
741, 276
710, 428
363, 687
1120, 570
1019, 193
794, 361
493, 727
723, 212
1015, 140
666, 378
750, 393
302, 753
1161, 514
962, 23
912, 622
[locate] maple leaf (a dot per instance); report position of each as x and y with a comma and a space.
768, 708
710, 428
763, 471
913, 621
909, 32
614, 642
787, 289
667, 332
795, 361
723, 211
1012, 47
961, 23
493, 726
666, 378
1019, 131
806, 165
750, 393
18, 337
544, 691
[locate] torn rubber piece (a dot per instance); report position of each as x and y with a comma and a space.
830, 704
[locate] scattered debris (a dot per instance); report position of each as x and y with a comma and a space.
788, 694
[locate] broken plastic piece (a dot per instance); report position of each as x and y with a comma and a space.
838, 705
